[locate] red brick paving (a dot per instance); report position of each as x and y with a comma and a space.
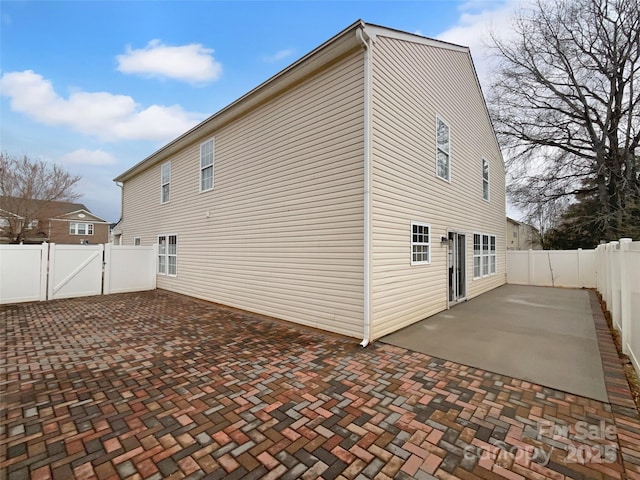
155, 385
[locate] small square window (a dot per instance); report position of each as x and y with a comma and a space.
420, 243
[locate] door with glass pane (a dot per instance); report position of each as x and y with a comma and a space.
457, 267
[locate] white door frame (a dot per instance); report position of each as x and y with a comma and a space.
456, 267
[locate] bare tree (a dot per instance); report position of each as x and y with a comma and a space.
566, 105
540, 207
27, 188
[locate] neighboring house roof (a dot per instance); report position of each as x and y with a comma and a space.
345, 41
48, 209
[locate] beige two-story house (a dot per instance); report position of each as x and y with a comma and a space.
359, 190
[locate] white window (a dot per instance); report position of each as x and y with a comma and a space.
207, 153
485, 179
492, 254
443, 158
136, 241
477, 255
165, 182
33, 224
168, 255
420, 243
76, 228
485, 255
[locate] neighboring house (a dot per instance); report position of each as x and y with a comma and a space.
359, 190
115, 233
522, 236
54, 222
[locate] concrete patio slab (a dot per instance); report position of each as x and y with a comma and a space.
543, 335
154, 385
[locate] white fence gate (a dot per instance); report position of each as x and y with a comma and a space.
75, 270
49, 271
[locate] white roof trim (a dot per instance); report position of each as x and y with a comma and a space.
377, 31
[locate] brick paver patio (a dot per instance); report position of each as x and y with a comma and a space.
156, 385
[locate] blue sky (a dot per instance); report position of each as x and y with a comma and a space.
98, 86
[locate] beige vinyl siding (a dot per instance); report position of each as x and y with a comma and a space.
412, 85
281, 233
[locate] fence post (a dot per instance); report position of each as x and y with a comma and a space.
625, 296
530, 268
106, 270
44, 265
580, 282
154, 277
599, 269
52, 265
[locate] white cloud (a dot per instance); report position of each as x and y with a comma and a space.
278, 56
191, 63
475, 25
101, 114
88, 157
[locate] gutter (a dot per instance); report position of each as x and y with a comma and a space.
364, 39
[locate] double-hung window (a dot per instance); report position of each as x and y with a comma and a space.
484, 255
485, 179
443, 148
168, 255
207, 154
165, 182
420, 243
77, 228
477, 255
492, 254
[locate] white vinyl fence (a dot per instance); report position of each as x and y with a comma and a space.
49, 271
619, 284
612, 268
552, 268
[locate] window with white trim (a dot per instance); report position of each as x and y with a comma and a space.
168, 255
485, 179
485, 255
77, 228
443, 148
420, 243
477, 255
136, 241
492, 254
207, 154
165, 182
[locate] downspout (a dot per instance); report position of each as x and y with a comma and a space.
367, 188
